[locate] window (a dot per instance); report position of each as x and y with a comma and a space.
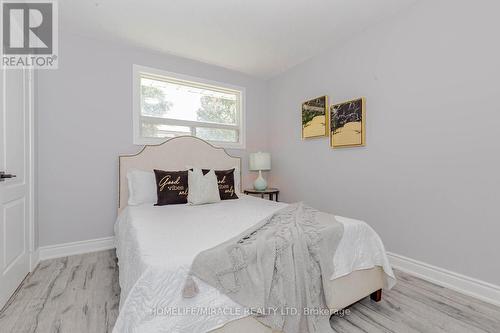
168, 105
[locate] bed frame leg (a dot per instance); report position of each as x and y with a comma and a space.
376, 296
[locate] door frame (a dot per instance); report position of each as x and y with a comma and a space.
34, 253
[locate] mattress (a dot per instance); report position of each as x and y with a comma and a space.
156, 245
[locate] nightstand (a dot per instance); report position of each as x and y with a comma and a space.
269, 191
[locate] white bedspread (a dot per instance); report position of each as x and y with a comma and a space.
156, 245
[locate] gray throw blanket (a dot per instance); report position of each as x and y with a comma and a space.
277, 268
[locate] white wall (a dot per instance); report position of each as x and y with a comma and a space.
85, 121
428, 180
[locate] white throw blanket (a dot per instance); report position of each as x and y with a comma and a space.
275, 268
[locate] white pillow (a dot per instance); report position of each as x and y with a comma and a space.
202, 189
141, 187
237, 180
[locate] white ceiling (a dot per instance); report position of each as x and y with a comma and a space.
259, 37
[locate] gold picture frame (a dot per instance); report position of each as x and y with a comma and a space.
315, 118
347, 123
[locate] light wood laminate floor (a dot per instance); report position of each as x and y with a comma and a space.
80, 294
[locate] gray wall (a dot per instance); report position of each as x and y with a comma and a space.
85, 121
428, 180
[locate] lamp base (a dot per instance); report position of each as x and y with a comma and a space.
260, 183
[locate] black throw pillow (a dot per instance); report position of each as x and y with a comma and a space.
171, 187
225, 179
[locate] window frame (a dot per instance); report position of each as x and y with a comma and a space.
138, 139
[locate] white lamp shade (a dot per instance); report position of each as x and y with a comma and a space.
260, 161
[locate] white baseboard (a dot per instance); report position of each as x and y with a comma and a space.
463, 284
81, 247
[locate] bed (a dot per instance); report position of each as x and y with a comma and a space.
156, 245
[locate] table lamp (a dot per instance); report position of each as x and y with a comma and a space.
260, 162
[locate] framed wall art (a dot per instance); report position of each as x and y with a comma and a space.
314, 118
347, 124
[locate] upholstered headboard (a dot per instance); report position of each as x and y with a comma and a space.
174, 154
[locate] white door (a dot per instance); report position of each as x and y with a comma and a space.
15, 156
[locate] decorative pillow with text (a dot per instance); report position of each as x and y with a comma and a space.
225, 180
171, 187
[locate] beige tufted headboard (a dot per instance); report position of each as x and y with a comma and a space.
174, 154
